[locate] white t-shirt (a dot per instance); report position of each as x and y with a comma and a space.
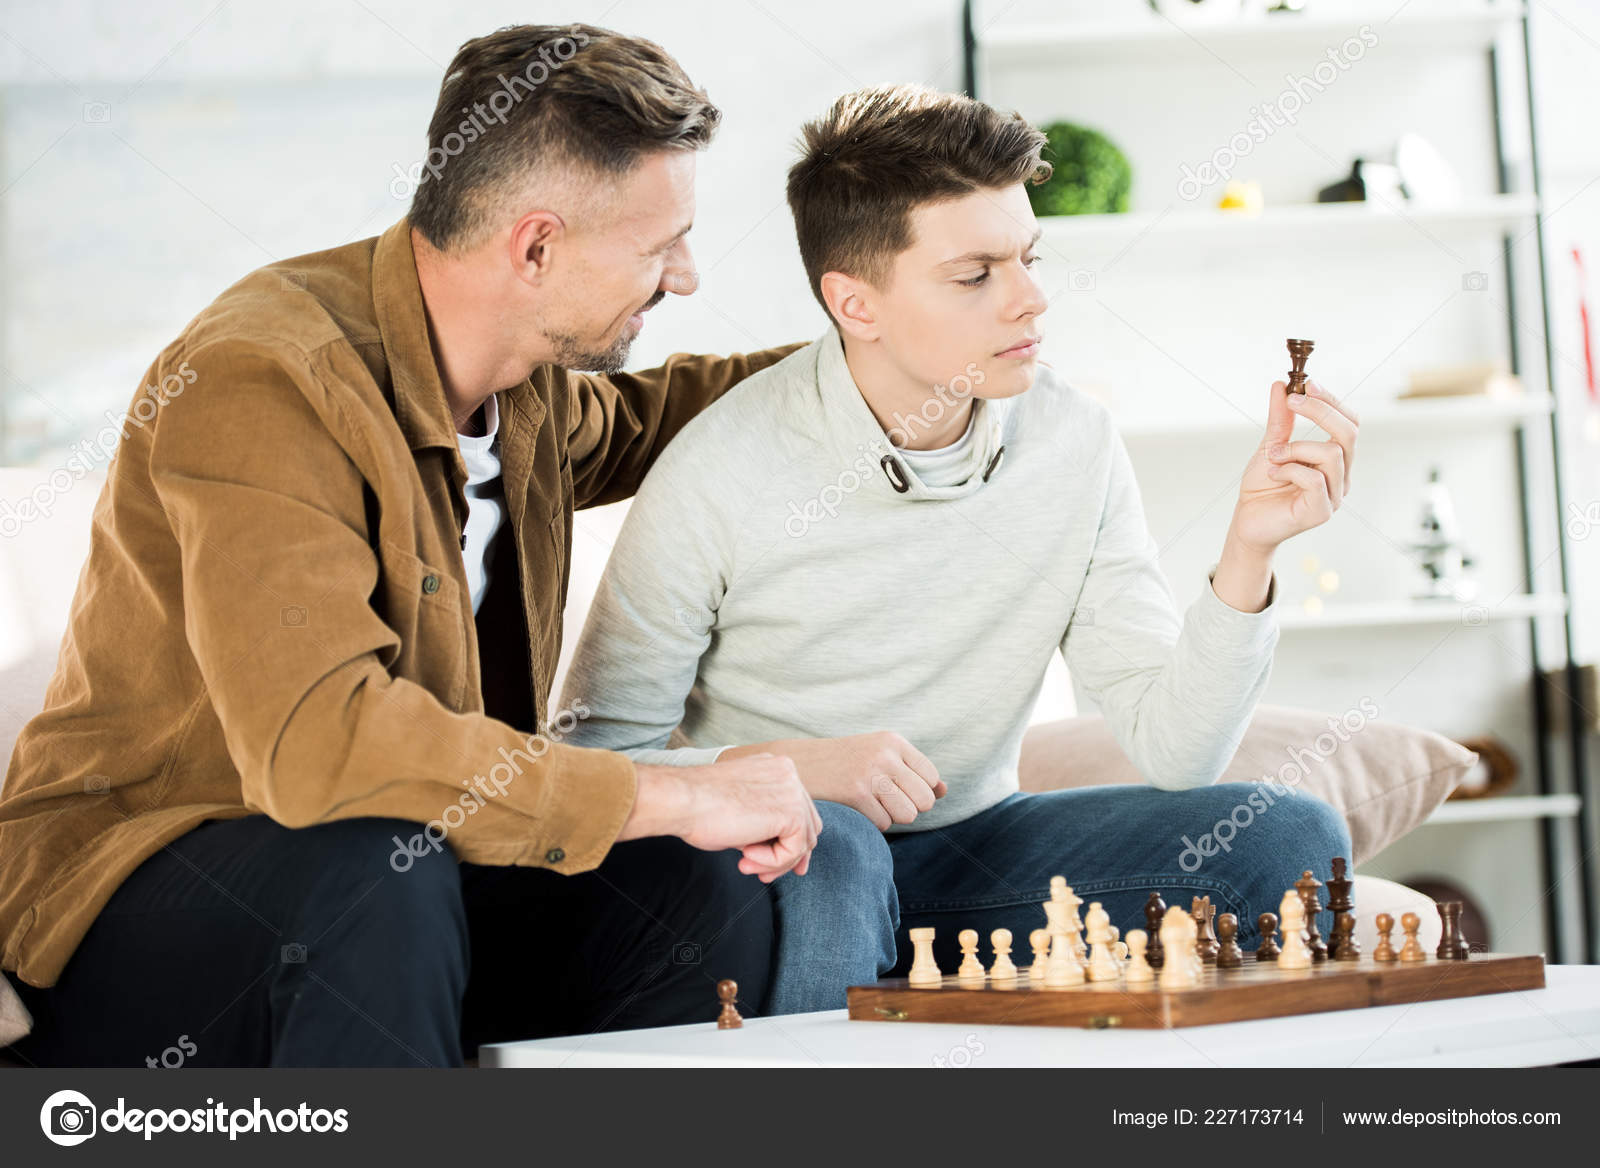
486, 506
944, 466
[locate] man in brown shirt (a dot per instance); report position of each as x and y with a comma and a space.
293, 795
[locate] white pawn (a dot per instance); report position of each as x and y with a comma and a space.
971, 968
1139, 971
1119, 947
1003, 969
1040, 940
1102, 962
1178, 971
924, 971
1294, 953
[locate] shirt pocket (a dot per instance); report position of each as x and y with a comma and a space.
422, 603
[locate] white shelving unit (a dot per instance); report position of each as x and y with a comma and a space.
1245, 60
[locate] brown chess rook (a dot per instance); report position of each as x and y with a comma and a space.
727, 991
1339, 901
1204, 913
1307, 887
1154, 909
1229, 955
1298, 352
1452, 945
1267, 926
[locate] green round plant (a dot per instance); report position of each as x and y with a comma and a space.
1091, 176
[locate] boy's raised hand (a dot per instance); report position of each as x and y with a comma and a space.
1290, 487
880, 774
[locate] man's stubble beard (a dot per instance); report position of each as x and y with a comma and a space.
570, 353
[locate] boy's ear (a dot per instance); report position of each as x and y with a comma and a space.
850, 306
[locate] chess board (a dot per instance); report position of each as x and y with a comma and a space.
1254, 990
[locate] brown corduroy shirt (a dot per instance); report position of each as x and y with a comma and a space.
274, 616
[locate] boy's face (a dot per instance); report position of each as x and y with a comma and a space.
962, 300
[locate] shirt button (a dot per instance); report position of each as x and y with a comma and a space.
430, 583
555, 855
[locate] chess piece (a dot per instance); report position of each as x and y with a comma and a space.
1103, 965
1452, 945
1063, 968
1299, 351
1385, 951
727, 993
1267, 925
1179, 971
1204, 912
1412, 950
1154, 908
1040, 940
1003, 969
1229, 955
924, 971
1139, 971
971, 969
1296, 952
1307, 887
1339, 901
1344, 946
1062, 892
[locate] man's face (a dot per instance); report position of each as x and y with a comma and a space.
619, 261
961, 300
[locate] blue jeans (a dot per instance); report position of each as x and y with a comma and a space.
845, 922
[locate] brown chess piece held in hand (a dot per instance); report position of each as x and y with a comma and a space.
1385, 951
1154, 909
1204, 913
727, 991
1229, 955
1267, 926
1298, 352
1412, 950
1307, 887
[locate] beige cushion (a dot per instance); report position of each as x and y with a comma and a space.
1385, 778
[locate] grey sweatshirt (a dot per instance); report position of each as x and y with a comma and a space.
770, 582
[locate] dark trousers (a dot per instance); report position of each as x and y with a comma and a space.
246, 943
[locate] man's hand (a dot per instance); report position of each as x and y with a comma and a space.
756, 804
881, 775
1290, 487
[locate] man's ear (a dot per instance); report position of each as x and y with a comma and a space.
533, 245
850, 304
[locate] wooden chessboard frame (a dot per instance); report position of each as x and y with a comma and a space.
1254, 990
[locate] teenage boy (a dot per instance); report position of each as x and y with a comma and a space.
896, 527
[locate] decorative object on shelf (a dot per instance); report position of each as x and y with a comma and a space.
1492, 379
1242, 196
1200, 11
1367, 182
1472, 926
1494, 773
1090, 175
1439, 551
1414, 172
1299, 354
1324, 580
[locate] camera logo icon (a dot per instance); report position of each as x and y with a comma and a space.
686, 953
1475, 282
294, 953
1476, 615
1082, 280
96, 111
292, 616
67, 1118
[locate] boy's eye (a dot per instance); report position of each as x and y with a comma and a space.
975, 281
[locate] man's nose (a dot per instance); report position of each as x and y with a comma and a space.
679, 277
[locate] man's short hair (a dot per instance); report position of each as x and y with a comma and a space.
537, 97
878, 154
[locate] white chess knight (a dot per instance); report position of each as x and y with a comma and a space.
1061, 892
1294, 953
1179, 971
1103, 964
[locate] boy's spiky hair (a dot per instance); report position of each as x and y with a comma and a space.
879, 153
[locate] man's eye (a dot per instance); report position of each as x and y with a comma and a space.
1031, 260
975, 281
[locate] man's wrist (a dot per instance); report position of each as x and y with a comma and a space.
1243, 578
660, 804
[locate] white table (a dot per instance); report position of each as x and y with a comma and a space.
1560, 1023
